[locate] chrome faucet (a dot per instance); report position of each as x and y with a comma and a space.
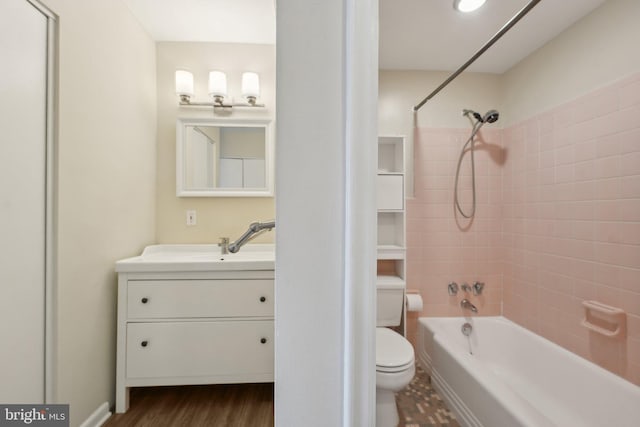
466, 304
452, 288
255, 228
224, 245
477, 288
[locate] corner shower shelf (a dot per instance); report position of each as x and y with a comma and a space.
391, 252
604, 319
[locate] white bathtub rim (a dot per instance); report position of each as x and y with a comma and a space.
509, 399
579, 359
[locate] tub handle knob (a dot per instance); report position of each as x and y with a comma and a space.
477, 288
452, 288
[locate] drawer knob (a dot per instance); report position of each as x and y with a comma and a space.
263, 299
263, 340
145, 300
144, 343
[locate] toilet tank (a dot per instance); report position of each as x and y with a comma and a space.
390, 303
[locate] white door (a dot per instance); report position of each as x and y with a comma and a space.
23, 135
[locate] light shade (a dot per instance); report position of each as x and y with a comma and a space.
184, 83
217, 83
467, 5
250, 85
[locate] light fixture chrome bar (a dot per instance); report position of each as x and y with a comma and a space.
186, 102
482, 50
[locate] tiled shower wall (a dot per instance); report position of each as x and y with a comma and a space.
557, 222
571, 222
442, 246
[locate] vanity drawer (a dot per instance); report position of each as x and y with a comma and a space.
157, 299
231, 349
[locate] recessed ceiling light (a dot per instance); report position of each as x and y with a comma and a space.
467, 5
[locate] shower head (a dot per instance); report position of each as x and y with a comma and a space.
491, 116
477, 116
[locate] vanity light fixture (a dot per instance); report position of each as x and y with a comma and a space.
218, 89
467, 5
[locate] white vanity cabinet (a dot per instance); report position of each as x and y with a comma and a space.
202, 319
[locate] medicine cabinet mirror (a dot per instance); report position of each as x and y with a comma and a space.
220, 158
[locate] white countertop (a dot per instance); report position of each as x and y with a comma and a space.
157, 258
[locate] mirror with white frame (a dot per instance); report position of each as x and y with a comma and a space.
224, 158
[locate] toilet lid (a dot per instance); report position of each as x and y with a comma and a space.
392, 349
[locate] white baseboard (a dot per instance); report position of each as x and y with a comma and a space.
99, 416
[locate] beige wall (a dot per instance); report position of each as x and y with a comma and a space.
218, 216
105, 189
400, 91
596, 51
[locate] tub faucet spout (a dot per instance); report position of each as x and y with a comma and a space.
466, 304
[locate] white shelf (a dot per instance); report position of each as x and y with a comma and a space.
391, 228
390, 282
391, 252
390, 154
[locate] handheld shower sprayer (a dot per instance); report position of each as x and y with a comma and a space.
490, 116
476, 115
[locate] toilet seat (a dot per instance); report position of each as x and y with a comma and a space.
393, 352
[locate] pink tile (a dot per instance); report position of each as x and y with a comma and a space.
564, 173
584, 290
625, 120
633, 327
630, 187
608, 295
630, 95
630, 279
607, 189
585, 171
608, 210
629, 209
584, 150
558, 220
607, 167
630, 164
630, 141
582, 269
630, 233
607, 274
630, 302
583, 230
565, 155
608, 232
608, 145
565, 116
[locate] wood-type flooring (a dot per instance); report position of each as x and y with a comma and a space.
222, 405
251, 405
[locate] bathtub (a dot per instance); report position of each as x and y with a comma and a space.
514, 377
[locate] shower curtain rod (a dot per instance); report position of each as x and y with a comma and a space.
482, 50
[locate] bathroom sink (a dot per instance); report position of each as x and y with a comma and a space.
199, 258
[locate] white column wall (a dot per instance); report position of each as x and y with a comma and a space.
325, 211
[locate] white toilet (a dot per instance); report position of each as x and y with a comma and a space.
395, 361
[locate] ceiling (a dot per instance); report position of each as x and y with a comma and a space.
414, 34
225, 21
